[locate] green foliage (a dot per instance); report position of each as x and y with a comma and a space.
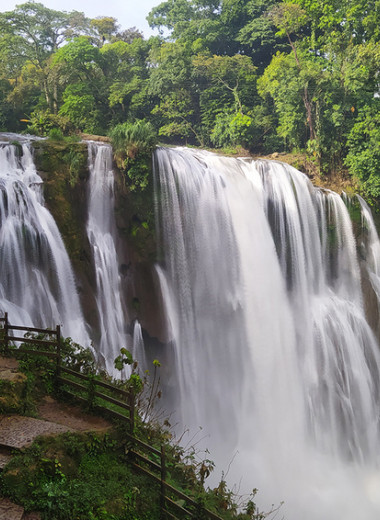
15, 394
233, 129
281, 80
127, 78
75, 160
82, 477
133, 138
79, 106
314, 64
125, 358
42, 122
41, 370
56, 134
144, 387
133, 144
363, 142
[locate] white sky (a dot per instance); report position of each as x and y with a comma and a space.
129, 13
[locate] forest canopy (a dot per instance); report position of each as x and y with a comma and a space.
266, 75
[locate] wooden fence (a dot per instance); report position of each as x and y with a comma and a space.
172, 501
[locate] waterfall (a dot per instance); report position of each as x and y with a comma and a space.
37, 286
372, 248
274, 357
101, 230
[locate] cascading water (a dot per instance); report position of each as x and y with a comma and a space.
101, 233
273, 354
372, 246
37, 286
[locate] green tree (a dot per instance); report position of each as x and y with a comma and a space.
126, 73
259, 35
228, 93
105, 28
290, 19
30, 34
172, 85
78, 64
281, 81
209, 25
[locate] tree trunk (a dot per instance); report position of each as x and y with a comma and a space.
305, 96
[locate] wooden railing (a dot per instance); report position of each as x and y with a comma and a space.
86, 391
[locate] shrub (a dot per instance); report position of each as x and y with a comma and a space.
133, 139
133, 144
56, 134
42, 122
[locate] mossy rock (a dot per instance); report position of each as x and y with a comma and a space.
63, 167
12, 391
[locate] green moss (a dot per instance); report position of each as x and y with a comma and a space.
12, 391
63, 167
134, 209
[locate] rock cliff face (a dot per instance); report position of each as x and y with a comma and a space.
64, 169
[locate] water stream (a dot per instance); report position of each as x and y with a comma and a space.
101, 230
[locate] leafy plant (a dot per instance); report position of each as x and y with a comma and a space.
56, 134
133, 144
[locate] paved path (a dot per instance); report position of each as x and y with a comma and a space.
18, 432
10, 511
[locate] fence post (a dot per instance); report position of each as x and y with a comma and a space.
6, 331
163, 480
58, 365
132, 412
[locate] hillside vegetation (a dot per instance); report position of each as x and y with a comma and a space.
269, 76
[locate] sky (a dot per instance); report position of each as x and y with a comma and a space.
129, 13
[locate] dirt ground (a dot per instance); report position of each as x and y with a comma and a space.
70, 416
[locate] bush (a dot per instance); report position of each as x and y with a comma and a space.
42, 122
235, 129
133, 144
132, 139
56, 134
81, 476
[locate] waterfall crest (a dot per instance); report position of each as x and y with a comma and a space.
273, 353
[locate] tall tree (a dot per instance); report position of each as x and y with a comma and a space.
31, 33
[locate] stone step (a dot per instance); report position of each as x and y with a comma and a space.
10, 511
17, 432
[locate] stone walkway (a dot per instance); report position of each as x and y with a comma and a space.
18, 432
10, 511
